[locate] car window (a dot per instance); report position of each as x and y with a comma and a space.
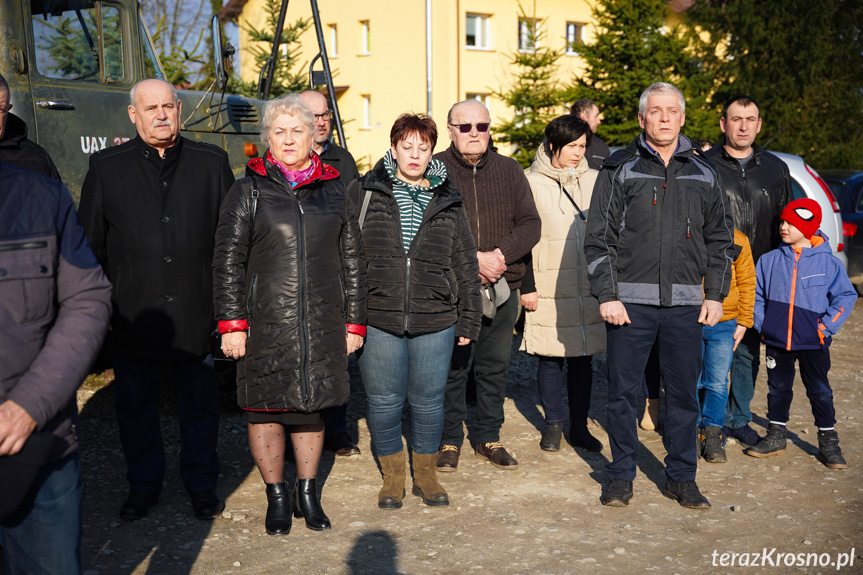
797, 189
78, 40
859, 192
839, 189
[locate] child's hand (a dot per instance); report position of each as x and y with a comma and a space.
738, 335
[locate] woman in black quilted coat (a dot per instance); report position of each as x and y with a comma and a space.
423, 300
290, 289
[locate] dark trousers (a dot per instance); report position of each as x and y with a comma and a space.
136, 384
489, 357
678, 336
814, 365
652, 379
744, 372
335, 419
579, 382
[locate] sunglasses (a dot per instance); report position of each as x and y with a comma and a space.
466, 128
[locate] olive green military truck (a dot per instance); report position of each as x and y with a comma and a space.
70, 65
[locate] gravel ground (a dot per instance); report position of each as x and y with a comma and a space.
544, 518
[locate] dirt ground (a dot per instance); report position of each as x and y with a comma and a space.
544, 518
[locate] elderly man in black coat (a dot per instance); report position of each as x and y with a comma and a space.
150, 208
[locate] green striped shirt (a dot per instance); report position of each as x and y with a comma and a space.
412, 199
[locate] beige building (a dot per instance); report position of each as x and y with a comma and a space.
423, 56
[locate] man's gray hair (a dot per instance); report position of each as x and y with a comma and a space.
135, 87
4, 85
660, 88
468, 101
291, 104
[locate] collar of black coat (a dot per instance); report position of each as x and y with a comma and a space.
14, 133
463, 162
148, 152
756, 153
266, 169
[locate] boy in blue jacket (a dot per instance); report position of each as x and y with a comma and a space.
802, 298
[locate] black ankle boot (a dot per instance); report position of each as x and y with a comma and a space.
278, 521
306, 505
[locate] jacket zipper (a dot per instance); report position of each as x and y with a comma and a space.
476, 205
791, 303
23, 246
304, 335
578, 270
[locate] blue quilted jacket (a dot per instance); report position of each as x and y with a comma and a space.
802, 296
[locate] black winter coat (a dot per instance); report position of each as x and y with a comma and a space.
433, 286
151, 223
298, 281
757, 193
658, 235
16, 149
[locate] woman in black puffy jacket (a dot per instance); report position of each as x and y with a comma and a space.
290, 288
423, 299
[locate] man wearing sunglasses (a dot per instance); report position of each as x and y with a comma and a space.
505, 226
330, 154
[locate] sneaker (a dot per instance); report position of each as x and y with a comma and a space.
580, 436
618, 494
828, 450
743, 434
551, 437
772, 444
713, 445
686, 493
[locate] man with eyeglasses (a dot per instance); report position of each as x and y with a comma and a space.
330, 154
505, 226
15, 148
336, 436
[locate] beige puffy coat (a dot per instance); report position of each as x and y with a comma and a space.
566, 322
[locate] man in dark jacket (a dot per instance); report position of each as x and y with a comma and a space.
336, 436
150, 207
597, 151
15, 148
505, 226
658, 248
758, 187
49, 339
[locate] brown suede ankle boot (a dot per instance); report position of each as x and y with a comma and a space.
393, 491
425, 480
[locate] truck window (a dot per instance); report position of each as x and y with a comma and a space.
152, 67
78, 40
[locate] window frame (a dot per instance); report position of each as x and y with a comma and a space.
579, 37
367, 111
482, 32
333, 48
365, 37
525, 34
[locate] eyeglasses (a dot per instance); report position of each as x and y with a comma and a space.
328, 115
466, 128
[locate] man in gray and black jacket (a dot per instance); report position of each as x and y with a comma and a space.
659, 252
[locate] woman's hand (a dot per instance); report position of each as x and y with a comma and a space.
463, 340
354, 342
529, 301
234, 344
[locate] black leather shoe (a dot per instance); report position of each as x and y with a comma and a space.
580, 436
550, 440
206, 504
686, 493
306, 505
618, 494
138, 504
278, 521
341, 443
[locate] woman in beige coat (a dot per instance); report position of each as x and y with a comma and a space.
563, 321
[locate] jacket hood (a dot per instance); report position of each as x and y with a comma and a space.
542, 165
820, 245
378, 178
15, 131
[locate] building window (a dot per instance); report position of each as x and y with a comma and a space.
366, 47
573, 37
477, 31
367, 112
481, 98
334, 41
528, 34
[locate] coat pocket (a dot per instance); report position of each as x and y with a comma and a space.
27, 284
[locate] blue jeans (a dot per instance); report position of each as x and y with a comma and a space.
398, 368
47, 541
717, 346
744, 372
137, 400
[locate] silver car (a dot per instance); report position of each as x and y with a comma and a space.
806, 183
